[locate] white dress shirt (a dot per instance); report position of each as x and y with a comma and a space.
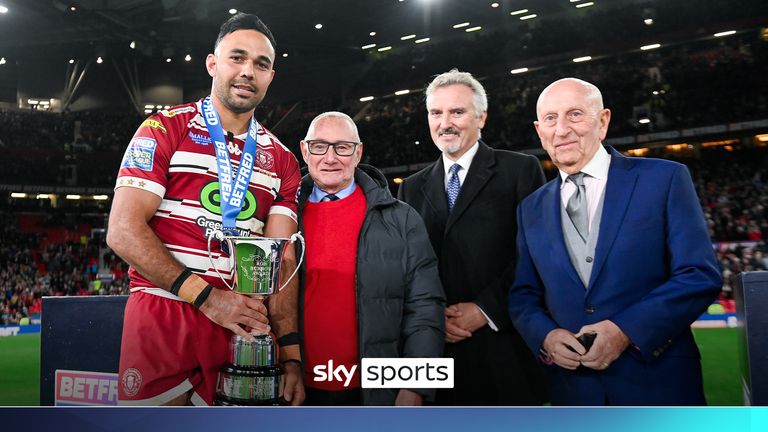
594, 182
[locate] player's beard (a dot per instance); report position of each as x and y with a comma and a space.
234, 103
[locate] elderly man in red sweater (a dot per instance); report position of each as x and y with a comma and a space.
369, 285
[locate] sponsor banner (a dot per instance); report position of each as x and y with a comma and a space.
16, 329
406, 373
85, 388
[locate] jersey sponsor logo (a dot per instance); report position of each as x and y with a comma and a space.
140, 154
200, 138
176, 111
131, 382
153, 124
210, 199
265, 159
235, 150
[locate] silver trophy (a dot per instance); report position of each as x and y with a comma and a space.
252, 375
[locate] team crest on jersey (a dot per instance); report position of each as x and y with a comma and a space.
140, 154
153, 124
131, 381
265, 159
199, 138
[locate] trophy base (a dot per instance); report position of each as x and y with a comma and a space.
222, 400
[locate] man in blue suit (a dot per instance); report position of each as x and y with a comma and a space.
614, 248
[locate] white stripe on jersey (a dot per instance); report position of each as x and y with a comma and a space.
141, 183
283, 211
190, 211
205, 164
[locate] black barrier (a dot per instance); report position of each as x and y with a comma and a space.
751, 294
80, 334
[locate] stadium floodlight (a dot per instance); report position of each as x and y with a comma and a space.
18, 195
386, 48
99, 60
132, 45
318, 26
43, 196
73, 197
149, 106
518, 71
285, 55
147, 111
527, 17
232, 11
648, 21
583, 5
460, 25
473, 29
649, 47
159, 106
168, 60
422, 40
372, 34
494, 5
402, 92
519, 12
725, 33
368, 46
187, 57
100, 197
71, 61
366, 99
397, 180
582, 59
3, 9
644, 120
410, 36
2, 60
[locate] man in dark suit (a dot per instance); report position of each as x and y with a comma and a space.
467, 199
616, 248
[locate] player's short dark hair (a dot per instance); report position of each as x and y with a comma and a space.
244, 21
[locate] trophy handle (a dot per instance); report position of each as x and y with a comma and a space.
220, 237
294, 237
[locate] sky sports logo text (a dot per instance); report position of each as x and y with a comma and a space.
391, 373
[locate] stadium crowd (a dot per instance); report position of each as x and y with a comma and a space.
31, 267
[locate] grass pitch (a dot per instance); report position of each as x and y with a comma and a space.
20, 370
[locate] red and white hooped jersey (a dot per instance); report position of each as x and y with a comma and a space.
172, 156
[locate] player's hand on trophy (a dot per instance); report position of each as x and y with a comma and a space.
293, 383
235, 311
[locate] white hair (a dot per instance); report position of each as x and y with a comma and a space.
331, 115
479, 99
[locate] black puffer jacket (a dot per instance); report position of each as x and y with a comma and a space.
400, 300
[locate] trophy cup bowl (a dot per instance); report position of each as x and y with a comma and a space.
252, 375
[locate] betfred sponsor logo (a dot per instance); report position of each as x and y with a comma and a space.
9, 331
406, 373
86, 388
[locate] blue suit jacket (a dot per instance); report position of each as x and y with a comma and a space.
654, 273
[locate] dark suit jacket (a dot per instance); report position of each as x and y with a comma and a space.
475, 246
654, 273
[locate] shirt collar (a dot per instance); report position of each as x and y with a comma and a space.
318, 194
597, 167
465, 160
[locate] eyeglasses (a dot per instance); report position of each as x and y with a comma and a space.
342, 148
573, 116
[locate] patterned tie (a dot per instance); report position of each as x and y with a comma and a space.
577, 206
329, 197
453, 185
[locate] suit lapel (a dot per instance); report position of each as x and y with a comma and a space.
479, 173
553, 224
433, 190
618, 193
